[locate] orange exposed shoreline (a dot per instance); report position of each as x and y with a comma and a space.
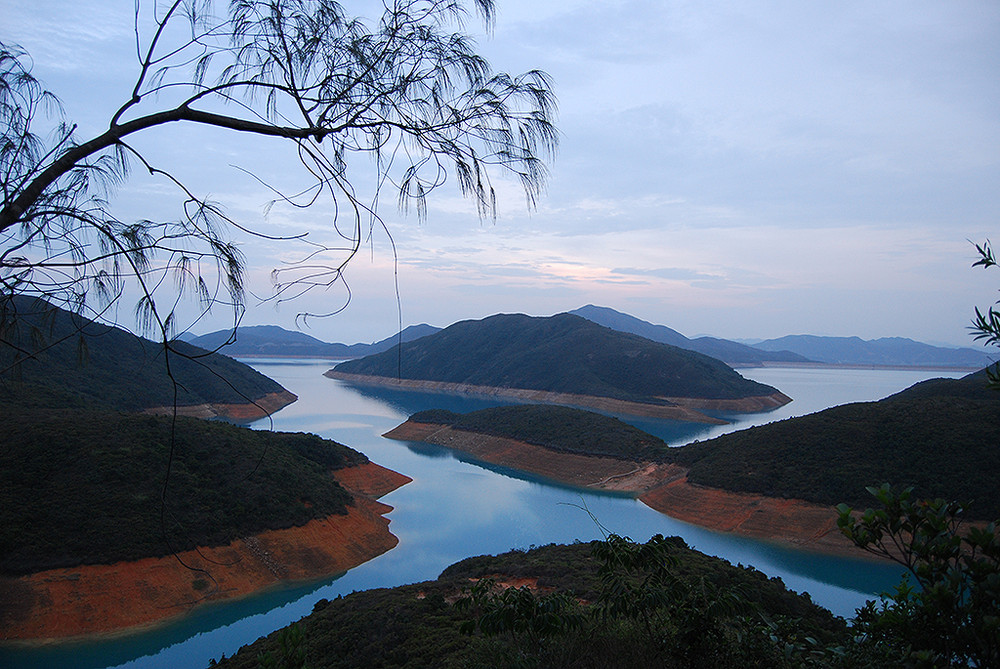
244, 412
663, 487
91, 600
677, 408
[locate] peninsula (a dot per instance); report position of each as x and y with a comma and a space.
779, 482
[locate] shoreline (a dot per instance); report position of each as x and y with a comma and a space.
241, 413
678, 408
106, 601
662, 487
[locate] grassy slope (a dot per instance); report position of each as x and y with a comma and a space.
562, 353
415, 626
76, 362
84, 487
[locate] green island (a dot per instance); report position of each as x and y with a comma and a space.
559, 354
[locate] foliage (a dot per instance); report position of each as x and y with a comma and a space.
416, 626
557, 428
952, 616
406, 94
943, 445
986, 325
562, 353
86, 487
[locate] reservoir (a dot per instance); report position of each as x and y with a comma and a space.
455, 508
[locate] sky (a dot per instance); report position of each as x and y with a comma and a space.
744, 170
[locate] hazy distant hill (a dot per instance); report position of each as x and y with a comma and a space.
887, 351
941, 436
271, 340
77, 362
563, 353
729, 352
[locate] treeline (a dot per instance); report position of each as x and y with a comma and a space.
88, 487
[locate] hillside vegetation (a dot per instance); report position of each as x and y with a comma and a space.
419, 626
53, 358
562, 429
941, 437
85, 487
562, 353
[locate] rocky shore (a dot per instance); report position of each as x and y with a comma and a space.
675, 408
663, 487
90, 600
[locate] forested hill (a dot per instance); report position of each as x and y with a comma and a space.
86, 487
53, 358
940, 436
562, 353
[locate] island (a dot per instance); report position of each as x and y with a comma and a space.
565, 359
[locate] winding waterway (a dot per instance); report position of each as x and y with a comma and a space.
455, 508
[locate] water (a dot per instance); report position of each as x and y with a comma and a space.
455, 508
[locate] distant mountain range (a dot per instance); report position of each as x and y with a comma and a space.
730, 352
887, 351
559, 354
273, 341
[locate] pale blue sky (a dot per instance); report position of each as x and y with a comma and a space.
729, 168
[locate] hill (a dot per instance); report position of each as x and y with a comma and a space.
273, 341
940, 436
561, 429
730, 352
887, 351
419, 625
84, 487
54, 358
561, 354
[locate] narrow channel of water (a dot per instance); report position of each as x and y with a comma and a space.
455, 508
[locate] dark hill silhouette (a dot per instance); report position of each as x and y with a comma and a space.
940, 436
887, 351
730, 352
563, 354
54, 358
271, 340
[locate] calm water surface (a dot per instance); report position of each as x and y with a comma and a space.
456, 508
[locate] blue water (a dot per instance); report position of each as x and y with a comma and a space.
455, 508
